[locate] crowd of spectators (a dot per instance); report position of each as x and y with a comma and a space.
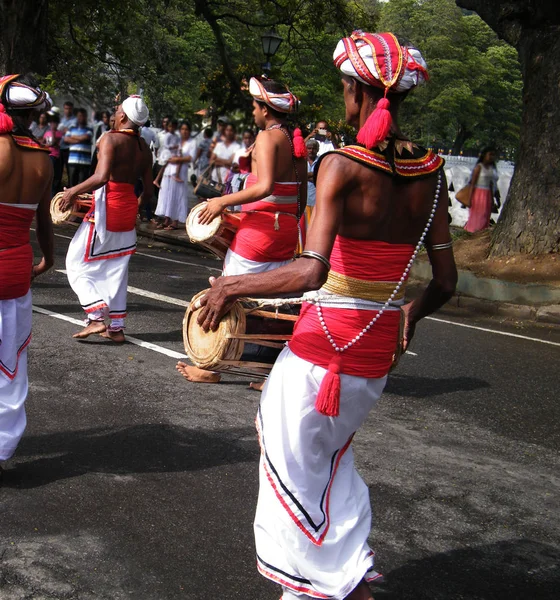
180, 156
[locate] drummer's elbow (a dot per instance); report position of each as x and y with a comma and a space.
315, 277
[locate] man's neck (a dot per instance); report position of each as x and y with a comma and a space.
274, 122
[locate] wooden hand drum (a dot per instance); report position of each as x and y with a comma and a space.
217, 235
73, 216
247, 342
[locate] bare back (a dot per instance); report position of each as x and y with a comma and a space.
25, 175
375, 205
126, 156
274, 142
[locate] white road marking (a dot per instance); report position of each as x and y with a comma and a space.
148, 294
171, 260
411, 353
132, 340
179, 302
507, 333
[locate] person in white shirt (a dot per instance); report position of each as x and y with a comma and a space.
223, 154
324, 137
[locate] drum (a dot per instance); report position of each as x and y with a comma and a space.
247, 342
74, 215
217, 235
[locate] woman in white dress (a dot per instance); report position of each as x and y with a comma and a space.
176, 190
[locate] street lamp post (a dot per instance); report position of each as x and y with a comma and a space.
270, 43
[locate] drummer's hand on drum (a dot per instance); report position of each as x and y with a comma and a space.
212, 209
67, 198
214, 305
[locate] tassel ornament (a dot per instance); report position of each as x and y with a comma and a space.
377, 126
6, 123
300, 149
328, 397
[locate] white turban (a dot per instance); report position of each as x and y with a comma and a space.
285, 102
136, 110
17, 95
379, 60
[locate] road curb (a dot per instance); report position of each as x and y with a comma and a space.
530, 302
177, 237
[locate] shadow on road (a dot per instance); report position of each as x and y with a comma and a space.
138, 449
510, 570
426, 387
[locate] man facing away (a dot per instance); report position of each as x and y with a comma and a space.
68, 120
25, 179
79, 138
98, 255
274, 196
375, 202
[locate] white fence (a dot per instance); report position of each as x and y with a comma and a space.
458, 170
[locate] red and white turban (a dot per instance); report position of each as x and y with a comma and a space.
285, 102
19, 96
379, 60
16, 95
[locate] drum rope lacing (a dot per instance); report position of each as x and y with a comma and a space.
315, 298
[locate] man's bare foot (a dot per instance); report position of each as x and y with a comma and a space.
91, 328
178, 179
362, 592
114, 336
258, 387
197, 375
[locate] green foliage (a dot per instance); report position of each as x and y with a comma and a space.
474, 94
192, 54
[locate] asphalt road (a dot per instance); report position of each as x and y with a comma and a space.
131, 483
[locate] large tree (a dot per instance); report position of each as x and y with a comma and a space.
23, 36
530, 221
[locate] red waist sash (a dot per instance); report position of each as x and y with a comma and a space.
122, 206
16, 254
15, 222
15, 271
372, 355
267, 230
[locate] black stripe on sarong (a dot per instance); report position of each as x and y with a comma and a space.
308, 518
277, 570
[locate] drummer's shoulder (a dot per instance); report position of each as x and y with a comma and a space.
7, 154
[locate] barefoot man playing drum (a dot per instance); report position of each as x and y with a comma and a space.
376, 203
98, 256
25, 179
274, 197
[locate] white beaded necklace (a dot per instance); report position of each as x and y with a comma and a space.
342, 349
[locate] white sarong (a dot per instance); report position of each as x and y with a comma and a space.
313, 515
15, 335
234, 264
97, 266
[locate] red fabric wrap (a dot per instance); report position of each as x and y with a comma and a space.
264, 236
372, 356
16, 254
122, 206
369, 260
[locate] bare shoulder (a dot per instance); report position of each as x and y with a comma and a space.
336, 164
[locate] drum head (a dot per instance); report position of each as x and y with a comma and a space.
198, 232
207, 350
58, 215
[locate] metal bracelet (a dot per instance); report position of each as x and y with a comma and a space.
316, 256
442, 246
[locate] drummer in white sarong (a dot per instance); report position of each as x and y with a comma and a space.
98, 256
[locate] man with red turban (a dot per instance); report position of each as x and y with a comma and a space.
376, 204
273, 199
25, 179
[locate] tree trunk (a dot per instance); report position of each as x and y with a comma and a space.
462, 136
23, 37
530, 220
